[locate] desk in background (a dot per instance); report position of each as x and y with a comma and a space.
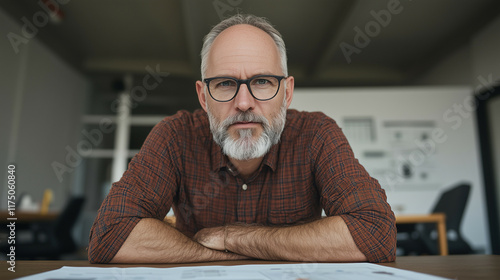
25, 220
438, 218
473, 267
28, 217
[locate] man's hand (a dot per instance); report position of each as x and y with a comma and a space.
212, 238
327, 239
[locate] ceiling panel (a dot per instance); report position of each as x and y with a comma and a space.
123, 36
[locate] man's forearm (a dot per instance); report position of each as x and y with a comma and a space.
324, 240
153, 241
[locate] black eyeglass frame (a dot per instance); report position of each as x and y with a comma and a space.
239, 82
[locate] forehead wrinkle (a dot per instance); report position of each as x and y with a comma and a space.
241, 53
252, 68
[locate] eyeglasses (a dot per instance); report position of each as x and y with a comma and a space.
261, 87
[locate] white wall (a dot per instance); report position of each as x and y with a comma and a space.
42, 103
454, 160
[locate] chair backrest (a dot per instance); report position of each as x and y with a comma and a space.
64, 224
453, 203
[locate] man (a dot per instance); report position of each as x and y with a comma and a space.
246, 177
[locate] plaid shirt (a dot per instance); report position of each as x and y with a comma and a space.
180, 166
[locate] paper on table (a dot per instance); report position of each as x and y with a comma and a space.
309, 271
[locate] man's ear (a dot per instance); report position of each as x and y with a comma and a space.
290, 83
202, 97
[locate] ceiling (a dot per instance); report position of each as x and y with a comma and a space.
126, 36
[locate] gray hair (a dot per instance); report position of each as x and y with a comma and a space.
252, 20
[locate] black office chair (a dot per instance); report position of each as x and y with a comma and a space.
422, 238
52, 240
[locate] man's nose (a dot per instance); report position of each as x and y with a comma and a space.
244, 100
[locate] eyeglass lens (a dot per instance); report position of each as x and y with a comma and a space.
263, 87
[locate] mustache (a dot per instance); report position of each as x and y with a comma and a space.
244, 117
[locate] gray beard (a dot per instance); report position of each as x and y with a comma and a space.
245, 147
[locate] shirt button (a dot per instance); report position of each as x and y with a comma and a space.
244, 187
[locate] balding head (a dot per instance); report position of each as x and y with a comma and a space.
251, 20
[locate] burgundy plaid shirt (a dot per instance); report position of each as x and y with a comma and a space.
180, 166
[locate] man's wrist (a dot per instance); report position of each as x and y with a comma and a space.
236, 233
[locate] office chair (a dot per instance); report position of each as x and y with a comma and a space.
422, 239
54, 239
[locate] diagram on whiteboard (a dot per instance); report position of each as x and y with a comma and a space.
399, 154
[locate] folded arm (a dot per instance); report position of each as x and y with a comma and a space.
153, 241
324, 240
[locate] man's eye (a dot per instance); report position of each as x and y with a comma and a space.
262, 82
226, 83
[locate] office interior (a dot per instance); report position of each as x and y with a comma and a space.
413, 84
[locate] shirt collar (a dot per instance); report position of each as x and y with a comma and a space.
271, 158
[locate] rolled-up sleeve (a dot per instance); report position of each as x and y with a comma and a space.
348, 191
146, 190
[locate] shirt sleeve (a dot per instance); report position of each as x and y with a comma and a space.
348, 191
146, 190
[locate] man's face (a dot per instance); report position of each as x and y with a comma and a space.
243, 51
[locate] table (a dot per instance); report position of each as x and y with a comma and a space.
463, 267
438, 218
27, 217
26, 220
